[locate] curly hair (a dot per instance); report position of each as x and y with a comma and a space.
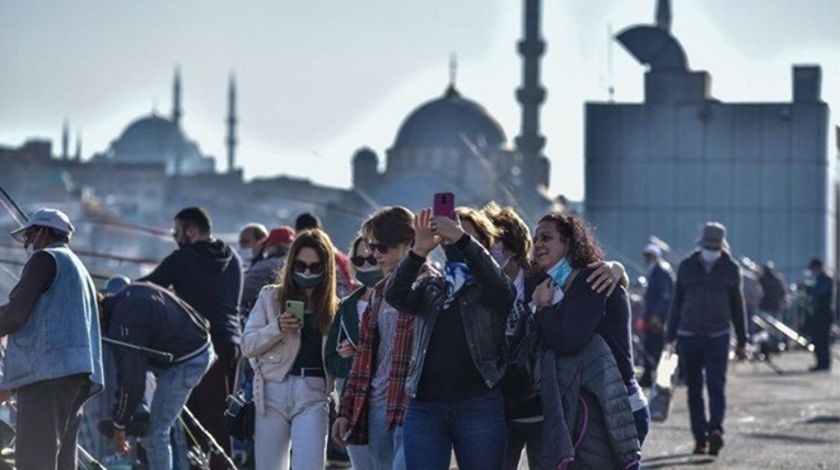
514, 231
583, 249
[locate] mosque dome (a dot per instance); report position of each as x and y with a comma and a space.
450, 121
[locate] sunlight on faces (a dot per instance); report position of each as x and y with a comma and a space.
388, 260
549, 245
469, 228
309, 256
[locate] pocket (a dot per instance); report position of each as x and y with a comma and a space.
315, 384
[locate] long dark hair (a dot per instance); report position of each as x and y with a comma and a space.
583, 248
324, 301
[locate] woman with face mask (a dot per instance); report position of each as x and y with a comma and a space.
459, 352
570, 314
344, 334
291, 384
373, 404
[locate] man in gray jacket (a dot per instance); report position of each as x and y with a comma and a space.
708, 296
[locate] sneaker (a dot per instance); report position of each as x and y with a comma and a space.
715, 442
701, 448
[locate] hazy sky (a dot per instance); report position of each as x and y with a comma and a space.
319, 79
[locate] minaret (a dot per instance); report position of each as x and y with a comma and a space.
663, 14
79, 147
531, 95
65, 141
176, 97
231, 141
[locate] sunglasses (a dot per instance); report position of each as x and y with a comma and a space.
314, 268
381, 248
360, 261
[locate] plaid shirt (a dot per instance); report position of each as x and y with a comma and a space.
354, 401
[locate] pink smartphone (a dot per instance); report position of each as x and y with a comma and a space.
444, 205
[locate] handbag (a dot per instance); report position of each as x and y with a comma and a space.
240, 409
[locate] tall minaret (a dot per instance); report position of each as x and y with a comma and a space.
230, 141
65, 141
663, 14
176, 97
79, 147
531, 94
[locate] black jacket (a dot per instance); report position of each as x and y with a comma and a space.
484, 306
706, 302
146, 315
208, 276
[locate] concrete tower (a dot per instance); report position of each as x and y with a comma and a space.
177, 113
531, 95
230, 141
65, 141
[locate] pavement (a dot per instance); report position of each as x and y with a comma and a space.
788, 421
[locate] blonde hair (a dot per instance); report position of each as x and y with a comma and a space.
487, 232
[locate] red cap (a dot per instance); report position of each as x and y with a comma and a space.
280, 236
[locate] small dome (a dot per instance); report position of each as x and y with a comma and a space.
365, 155
447, 122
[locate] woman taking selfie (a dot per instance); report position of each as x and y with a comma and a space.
284, 340
344, 334
459, 351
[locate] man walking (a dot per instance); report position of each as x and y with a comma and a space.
207, 274
660, 287
820, 294
707, 298
53, 360
148, 316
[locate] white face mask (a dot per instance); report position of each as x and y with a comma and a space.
709, 256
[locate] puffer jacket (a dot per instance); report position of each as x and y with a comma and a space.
586, 392
484, 306
271, 351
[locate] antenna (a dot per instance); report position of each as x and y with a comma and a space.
610, 87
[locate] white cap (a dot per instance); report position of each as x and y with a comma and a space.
50, 218
652, 249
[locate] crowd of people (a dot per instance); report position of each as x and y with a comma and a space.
436, 334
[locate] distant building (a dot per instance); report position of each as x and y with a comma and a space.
664, 166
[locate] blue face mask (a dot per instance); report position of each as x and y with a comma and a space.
307, 282
560, 272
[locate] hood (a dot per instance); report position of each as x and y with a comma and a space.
215, 253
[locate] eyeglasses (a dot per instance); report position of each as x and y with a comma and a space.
360, 261
381, 248
314, 268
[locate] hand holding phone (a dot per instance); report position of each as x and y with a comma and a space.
292, 318
444, 205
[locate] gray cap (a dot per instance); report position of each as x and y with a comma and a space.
713, 237
50, 218
116, 284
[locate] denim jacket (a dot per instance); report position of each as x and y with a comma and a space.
484, 306
61, 337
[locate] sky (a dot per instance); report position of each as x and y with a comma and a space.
319, 79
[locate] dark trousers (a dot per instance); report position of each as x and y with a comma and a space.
526, 436
48, 417
474, 428
821, 338
208, 400
653, 344
705, 356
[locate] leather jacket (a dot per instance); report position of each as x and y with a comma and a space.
484, 306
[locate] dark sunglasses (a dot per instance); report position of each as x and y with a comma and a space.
379, 247
360, 261
314, 268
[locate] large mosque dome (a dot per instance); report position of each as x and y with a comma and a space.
449, 122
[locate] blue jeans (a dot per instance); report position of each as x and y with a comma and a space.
704, 357
385, 446
475, 428
174, 385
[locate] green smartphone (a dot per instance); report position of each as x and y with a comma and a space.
295, 307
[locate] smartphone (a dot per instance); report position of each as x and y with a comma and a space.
295, 308
444, 205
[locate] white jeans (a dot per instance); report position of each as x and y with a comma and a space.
297, 414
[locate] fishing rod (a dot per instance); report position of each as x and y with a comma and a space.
11, 262
96, 254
